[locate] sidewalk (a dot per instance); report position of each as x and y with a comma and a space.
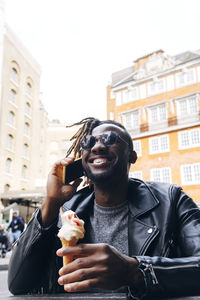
5, 261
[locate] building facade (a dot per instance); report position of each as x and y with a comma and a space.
23, 120
157, 99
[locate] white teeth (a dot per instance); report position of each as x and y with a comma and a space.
99, 161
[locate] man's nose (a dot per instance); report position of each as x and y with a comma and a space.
98, 146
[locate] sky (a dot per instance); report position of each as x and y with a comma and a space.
80, 43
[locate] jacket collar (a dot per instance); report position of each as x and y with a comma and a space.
140, 197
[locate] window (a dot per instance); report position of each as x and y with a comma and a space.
136, 174
8, 165
11, 118
118, 98
131, 119
190, 174
14, 75
187, 106
185, 77
130, 95
111, 115
25, 150
24, 171
12, 96
10, 140
137, 147
156, 87
26, 129
157, 113
189, 138
161, 174
28, 89
159, 144
27, 108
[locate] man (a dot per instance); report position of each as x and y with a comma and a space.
16, 226
141, 237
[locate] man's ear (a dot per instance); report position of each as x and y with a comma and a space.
132, 157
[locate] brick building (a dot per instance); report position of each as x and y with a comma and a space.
157, 100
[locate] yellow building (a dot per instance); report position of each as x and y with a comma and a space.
157, 100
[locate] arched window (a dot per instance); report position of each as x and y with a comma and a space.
11, 118
8, 165
28, 89
6, 187
10, 140
25, 150
27, 108
24, 171
12, 96
14, 75
27, 129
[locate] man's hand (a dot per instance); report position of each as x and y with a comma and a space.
98, 266
57, 192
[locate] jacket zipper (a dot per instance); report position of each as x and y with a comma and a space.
177, 267
150, 240
149, 267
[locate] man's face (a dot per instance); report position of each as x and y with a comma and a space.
106, 163
14, 215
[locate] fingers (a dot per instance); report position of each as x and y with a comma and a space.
60, 164
81, 286
82, 279
79, 250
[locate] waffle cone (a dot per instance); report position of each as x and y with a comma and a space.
68, 258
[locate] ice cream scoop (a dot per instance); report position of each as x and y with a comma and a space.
71, 231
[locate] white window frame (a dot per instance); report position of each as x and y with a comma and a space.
111, 115
28, 109
25, 150
157, 109
28, 89
118, 98
192, 168
134, 122
8, 165
136, 174
11, 118
186, 77
10, 142
158, 140
160, 172
188, 108
24, 171
137, 146
189, 136
26, 129
13, 96
14, 75
156, 87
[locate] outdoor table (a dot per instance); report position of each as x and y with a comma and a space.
86, 296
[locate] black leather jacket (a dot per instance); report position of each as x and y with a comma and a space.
163, 233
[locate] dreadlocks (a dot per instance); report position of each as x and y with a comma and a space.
88, 124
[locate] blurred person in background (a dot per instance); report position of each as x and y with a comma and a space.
4, 241
16, 226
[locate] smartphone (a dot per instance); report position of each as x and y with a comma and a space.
72, 171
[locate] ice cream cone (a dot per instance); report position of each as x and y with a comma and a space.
68, 258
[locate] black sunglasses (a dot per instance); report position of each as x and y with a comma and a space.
107, 139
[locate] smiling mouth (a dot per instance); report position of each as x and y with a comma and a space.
101, 161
